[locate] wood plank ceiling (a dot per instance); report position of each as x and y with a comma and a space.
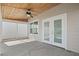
17, 11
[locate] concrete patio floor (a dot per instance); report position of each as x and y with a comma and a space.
36, 48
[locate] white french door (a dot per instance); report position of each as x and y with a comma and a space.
60, 30
46, 31
55, 29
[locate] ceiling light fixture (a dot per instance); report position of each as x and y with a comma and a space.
29, 13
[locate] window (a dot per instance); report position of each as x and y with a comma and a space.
34, 28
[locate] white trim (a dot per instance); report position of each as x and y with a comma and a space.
65, 29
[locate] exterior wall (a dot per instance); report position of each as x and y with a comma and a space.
73, 31
72, 11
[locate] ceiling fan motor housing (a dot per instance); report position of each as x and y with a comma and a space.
29, 13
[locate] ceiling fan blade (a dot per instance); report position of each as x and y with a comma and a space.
31, 16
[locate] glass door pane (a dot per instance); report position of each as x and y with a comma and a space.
46, 31
58, 31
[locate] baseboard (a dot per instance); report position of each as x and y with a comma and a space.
72, 51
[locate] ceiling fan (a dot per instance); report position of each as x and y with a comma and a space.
29, 13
